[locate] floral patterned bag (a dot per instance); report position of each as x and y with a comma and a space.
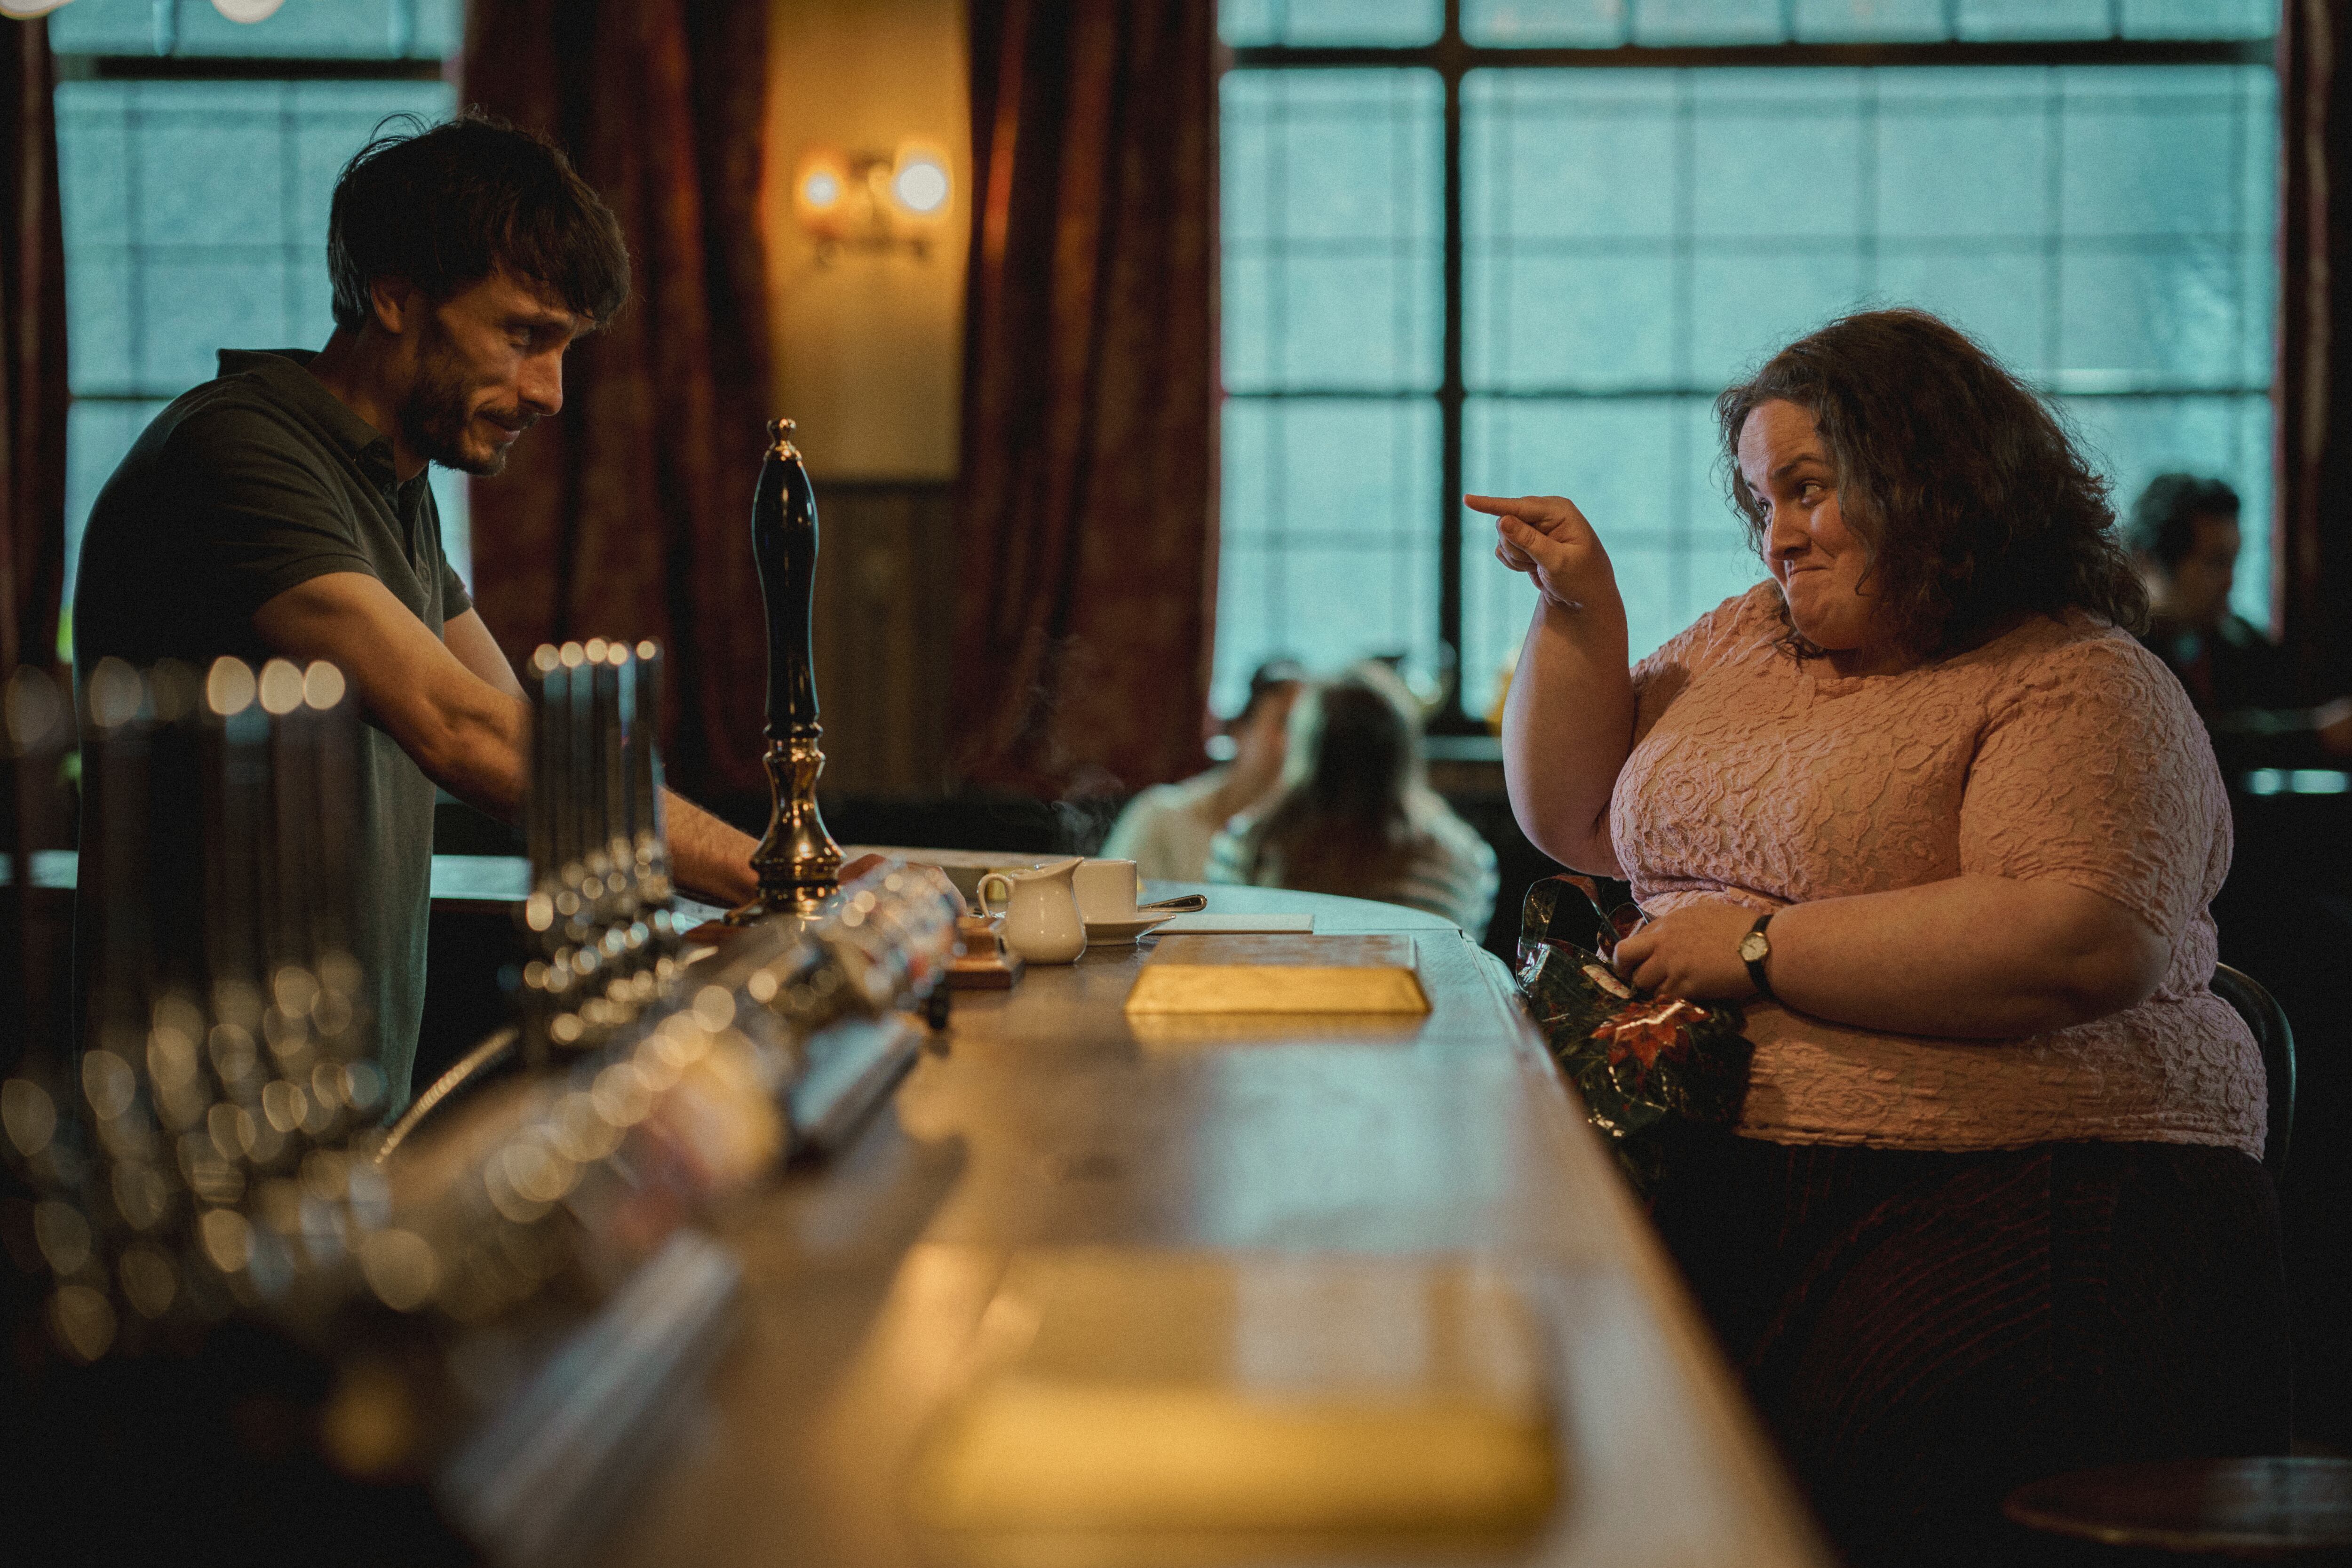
1654, 1075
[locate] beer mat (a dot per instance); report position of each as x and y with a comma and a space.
1234, 925
1279, 973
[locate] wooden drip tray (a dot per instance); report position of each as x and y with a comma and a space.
1284, 973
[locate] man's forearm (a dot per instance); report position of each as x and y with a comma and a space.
709, 858
477, 748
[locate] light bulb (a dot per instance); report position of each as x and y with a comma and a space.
921, 184
821, 191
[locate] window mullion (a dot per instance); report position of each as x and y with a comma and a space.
1450, 390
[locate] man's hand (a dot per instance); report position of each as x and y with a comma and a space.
1549, 539
1692, 952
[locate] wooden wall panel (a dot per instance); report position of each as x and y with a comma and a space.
885, 633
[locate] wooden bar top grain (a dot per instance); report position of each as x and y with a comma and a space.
1045, 1120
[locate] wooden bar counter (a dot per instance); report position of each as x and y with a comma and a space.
1042, 1120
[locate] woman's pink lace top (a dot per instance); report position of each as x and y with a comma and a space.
2060, 751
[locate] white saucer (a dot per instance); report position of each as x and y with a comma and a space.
1100, 933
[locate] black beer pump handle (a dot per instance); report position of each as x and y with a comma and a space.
797, 863
783, 545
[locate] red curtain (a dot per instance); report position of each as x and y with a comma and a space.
2313, 545
33, 339
630, 514
1086, 505
33, 529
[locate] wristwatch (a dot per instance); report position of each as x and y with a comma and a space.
1755, 948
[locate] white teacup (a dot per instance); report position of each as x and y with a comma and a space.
1107, 890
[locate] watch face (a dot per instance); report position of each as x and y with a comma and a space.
1755, 948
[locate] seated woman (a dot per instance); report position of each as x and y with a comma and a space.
1353, 815
1924, 806
1166, 828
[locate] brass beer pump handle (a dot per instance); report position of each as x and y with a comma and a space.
797, 862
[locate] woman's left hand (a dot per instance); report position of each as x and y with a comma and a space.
1692, 952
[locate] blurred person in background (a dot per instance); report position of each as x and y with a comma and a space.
2184, 538
1166, 829
1355, 816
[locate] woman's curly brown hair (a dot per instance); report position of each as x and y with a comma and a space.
1964, 487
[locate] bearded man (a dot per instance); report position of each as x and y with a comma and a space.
281, 510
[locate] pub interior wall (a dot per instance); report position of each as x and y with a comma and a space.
870, 354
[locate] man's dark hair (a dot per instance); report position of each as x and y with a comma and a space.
446, 206
1268, 680
2163, 525
1972, 502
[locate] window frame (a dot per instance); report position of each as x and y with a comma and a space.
1453, 57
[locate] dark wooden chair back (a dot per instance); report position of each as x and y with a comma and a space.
2252, 1001
2268, 1509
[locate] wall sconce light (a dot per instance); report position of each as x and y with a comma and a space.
873, 201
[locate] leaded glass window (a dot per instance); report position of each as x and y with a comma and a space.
195, 210
1632, 229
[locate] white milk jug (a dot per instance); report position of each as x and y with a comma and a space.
1041, 912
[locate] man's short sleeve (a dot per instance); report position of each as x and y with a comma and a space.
257, 507
2095, 771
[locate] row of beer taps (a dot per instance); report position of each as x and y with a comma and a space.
216, 1145
197, 1156
602, 937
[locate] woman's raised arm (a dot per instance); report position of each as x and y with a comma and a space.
1569, 721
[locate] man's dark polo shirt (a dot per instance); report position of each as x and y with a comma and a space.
243, 487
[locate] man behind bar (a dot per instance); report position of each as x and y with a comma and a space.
282, 509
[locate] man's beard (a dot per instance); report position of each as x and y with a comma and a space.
439, 413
